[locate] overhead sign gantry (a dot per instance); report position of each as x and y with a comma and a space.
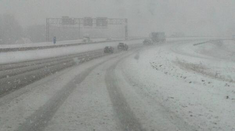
86, 22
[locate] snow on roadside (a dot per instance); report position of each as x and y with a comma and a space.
203, 101
17, 56
78, 41
9, 57
48, 43
223, 65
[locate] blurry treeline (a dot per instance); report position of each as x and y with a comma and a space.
11, 32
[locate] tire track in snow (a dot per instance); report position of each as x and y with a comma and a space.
40, 118
127, 118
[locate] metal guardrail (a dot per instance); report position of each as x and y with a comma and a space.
210, 41
16, 75
54, 46
202, 43
46, 47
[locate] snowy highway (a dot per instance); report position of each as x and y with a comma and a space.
16, 75
173, 86
50, 45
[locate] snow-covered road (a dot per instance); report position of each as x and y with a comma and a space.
170, 87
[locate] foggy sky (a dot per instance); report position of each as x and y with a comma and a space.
193, 17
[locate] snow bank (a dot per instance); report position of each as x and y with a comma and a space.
80, 41
9, 57
50, 43
185, 82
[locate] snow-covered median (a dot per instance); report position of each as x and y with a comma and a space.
39, 44
195, 87
18, 56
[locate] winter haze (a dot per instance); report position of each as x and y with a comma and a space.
117, 65
193, 17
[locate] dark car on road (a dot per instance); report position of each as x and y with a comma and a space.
108, 49
122, 46
147, 42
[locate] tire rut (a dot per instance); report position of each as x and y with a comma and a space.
40, 118
127, 119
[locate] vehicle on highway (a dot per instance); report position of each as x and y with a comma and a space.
122, 46
158, 37
87, 39
108, 49
147, 42
117, 65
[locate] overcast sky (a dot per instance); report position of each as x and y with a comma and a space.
193, 17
